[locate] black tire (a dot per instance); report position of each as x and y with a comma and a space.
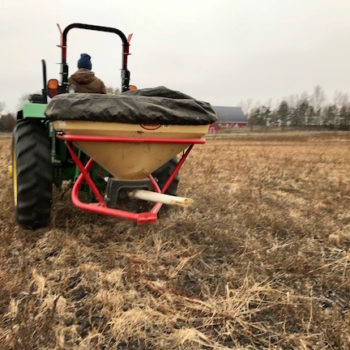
162, 174
31, 174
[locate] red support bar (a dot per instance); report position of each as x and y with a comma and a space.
64, 50
95, 208
101, 207
125, 55
86, 138
176, 170
86, 175
157, 206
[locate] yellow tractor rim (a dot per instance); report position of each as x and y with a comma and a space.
14, 175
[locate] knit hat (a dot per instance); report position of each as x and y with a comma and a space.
84, 61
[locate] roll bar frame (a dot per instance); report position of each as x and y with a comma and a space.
125, 73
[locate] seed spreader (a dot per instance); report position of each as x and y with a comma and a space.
115, 148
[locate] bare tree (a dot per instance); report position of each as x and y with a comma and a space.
112, 90
318, 98
7, 122
341, 99
269, 103
292, 100
247, 106
2, 106
283, 111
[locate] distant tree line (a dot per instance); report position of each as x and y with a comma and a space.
112, 90
303, 111
7, 121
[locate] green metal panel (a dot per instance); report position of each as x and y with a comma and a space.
34, 110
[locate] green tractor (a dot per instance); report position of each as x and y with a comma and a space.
39, 159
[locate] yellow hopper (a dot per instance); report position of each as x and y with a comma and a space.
129, 152
129, 159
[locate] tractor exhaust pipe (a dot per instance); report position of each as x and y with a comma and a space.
160, 197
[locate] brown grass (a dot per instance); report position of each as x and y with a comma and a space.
261, 260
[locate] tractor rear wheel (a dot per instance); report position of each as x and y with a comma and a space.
162, 174
31, 174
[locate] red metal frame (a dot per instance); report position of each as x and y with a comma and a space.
100, 207
85, 138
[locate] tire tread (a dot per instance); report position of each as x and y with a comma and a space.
34, 174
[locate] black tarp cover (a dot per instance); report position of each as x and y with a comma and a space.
158, 105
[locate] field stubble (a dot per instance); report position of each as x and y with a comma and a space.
261, 260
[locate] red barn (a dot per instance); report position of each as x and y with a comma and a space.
228, 118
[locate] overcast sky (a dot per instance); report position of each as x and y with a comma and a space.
221, 51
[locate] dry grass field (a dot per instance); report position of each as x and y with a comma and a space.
260, 261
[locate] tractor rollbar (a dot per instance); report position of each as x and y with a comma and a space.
44, 89
125, 74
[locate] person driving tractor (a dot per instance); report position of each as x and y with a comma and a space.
84, 80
